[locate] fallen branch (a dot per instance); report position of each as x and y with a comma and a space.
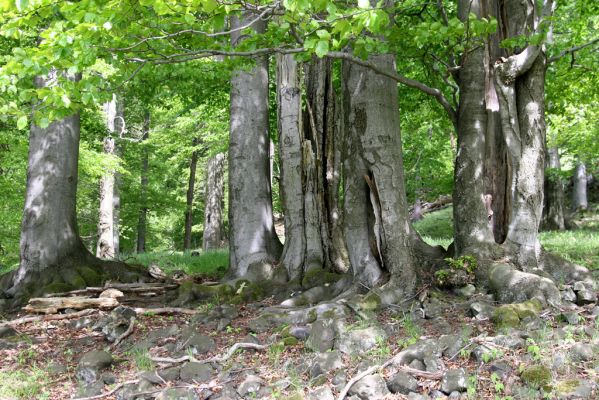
412, 371
51, 305
125, 334
55, 317
124, 287
165, 310
216, 359
114, 390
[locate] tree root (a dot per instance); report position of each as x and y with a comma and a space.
128, 332
216, 359
55, 317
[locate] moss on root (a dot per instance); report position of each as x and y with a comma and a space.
318, 277
510, 315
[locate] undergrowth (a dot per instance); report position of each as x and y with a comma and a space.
211, 263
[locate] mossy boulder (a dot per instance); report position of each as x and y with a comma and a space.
538, 376
510, 315
90, 275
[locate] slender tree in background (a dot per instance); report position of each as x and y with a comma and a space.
553, 210
193, 163
214, 202
579, 192
108, 219
252, 236
143, 193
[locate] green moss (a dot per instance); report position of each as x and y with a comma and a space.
90, 275
57, 287
536, 376
370, 302
567, 387
510, 315
317, 277
72, 277
290, 341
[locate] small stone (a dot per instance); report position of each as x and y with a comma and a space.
417, 364
199, 344
322, 337
7, 331
158, 377
500, 368
196, 372
417, 396
586, 297
568, 295
300, 332
581, 352
321, 393
108, 378
329, 361
454, 396
358, 341
510, 341
571, 317
251, 384
56, 368
450, 344
455, 380
466, 291
177, 394
402, 383
371, 387
90, 365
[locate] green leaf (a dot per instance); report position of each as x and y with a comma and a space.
210, 5
364, 4
322, 48
44, 123
21, 4
22, 122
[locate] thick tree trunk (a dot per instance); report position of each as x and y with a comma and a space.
143, 197
579, 193
473, 230
110, 201
213, 205
376, 210
553, 211
253, 239
189, 198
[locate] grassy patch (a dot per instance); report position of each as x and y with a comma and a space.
436, 228
19, 384
211, 263
580, 245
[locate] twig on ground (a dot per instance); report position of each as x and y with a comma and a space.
412, 371
125, 334
114, 390
216, 359
55, 317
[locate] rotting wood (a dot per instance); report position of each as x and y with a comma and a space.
44, 318
51, 305
125, 287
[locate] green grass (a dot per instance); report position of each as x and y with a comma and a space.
436, 228
580, 246
212, 263
18, 384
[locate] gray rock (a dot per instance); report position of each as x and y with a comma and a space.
455, 396
450, 345
356, 341
559, 360
198, 343
321, 393
422, 350
568, 295
511, 342
417, 396
434, 308
56, 368
417, 364
481, 353
196, 372
251, 384
571, 317
108, 378
500, 368
466, 291
370, 387
437, 395
91, 389
80, 323
326, 362
90, 365
586, 297
339, 380
581, 352
158, 377
322, 336
115, 323
454, 380
178, 394
402, 382
300, 332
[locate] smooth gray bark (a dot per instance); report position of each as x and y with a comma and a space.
377, 228
213, 204
253, 239
143, 196
579, 193
193, 163
110, 201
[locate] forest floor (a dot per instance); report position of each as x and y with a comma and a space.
440, 345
